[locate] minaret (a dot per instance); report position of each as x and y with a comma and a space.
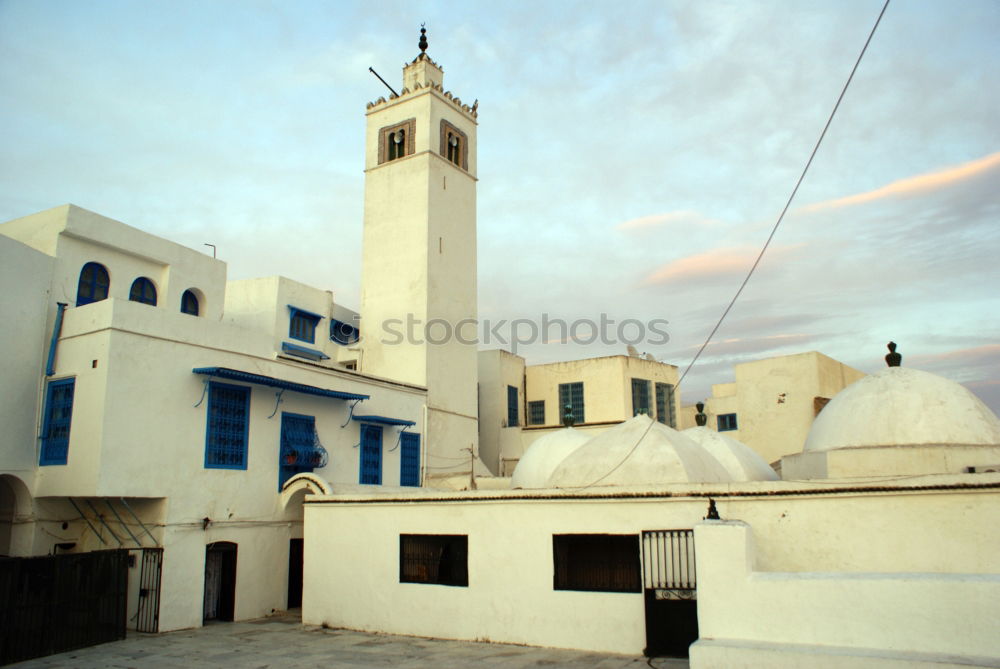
418, 280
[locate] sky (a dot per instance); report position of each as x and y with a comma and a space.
632, 159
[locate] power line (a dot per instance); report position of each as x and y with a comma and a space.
791, 197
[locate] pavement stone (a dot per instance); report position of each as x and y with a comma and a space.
283, 642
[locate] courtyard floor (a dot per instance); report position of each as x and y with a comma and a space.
282, 641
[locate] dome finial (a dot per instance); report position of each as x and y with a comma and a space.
892, 358
700, 418
568, 420
423, 39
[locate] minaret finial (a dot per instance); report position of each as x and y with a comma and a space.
423, 40
892, 358
700, 418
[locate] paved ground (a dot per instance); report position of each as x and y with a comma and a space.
285, 642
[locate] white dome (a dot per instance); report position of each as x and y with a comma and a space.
741, 461
543, 456
637, 452
903, 406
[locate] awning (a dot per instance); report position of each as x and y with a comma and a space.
382, 420
260, 379
303, 352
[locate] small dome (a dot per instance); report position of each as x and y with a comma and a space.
903, 406
637, 452
544, 455
741, 461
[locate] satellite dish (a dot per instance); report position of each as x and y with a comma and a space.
397, 137
453, 140
633, 351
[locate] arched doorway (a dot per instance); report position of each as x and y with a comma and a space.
220, 581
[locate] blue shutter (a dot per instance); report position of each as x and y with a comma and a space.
58, 416
409, 469
228, 422
371, 454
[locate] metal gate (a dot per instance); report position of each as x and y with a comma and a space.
61, 602
148, 616
670, 588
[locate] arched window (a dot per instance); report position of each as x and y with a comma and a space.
189, 303
93, 286
143, 291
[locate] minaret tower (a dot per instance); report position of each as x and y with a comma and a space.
418, 278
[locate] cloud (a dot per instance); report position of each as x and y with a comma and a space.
718, 264
915, 185
669, 218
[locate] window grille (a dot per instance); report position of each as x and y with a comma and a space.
55, 427
371, 454
93, 285
640, 397
302, 325
572, 394
665, 411
512, 406
301, 450
536, 412
596, 562
440, 559
409, 457
143, 291
228, 422
189, 303
727, 422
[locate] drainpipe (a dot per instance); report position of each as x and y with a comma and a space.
50, 366
426, 439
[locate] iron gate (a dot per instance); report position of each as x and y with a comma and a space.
60, 602
670, 587
148, 616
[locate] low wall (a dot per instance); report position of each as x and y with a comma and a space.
769, 619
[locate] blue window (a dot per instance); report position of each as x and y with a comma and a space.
143, 291
665, 412
55, 428
299, 450
512, 406
189, 303
409, 457
371, 454
727, 421
640, 397
343, 333
302, 325
93, 285
228, 422
571, 394
536, 412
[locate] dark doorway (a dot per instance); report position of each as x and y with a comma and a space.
670, 591
294, 573
220, 581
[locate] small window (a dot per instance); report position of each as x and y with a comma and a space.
55, 427
571, 394
536, 412
371, 455
640, 397
440, 559
143, 291
727, 422
409, 459
93, 285
665, 411
343, 333
189, 303
454, 145
396, 141
596, 562
512, 406
302, 325
228, 422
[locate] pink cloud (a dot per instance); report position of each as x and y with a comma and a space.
714, 264
670, 218
914, 185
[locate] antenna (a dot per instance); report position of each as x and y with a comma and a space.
372, 70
